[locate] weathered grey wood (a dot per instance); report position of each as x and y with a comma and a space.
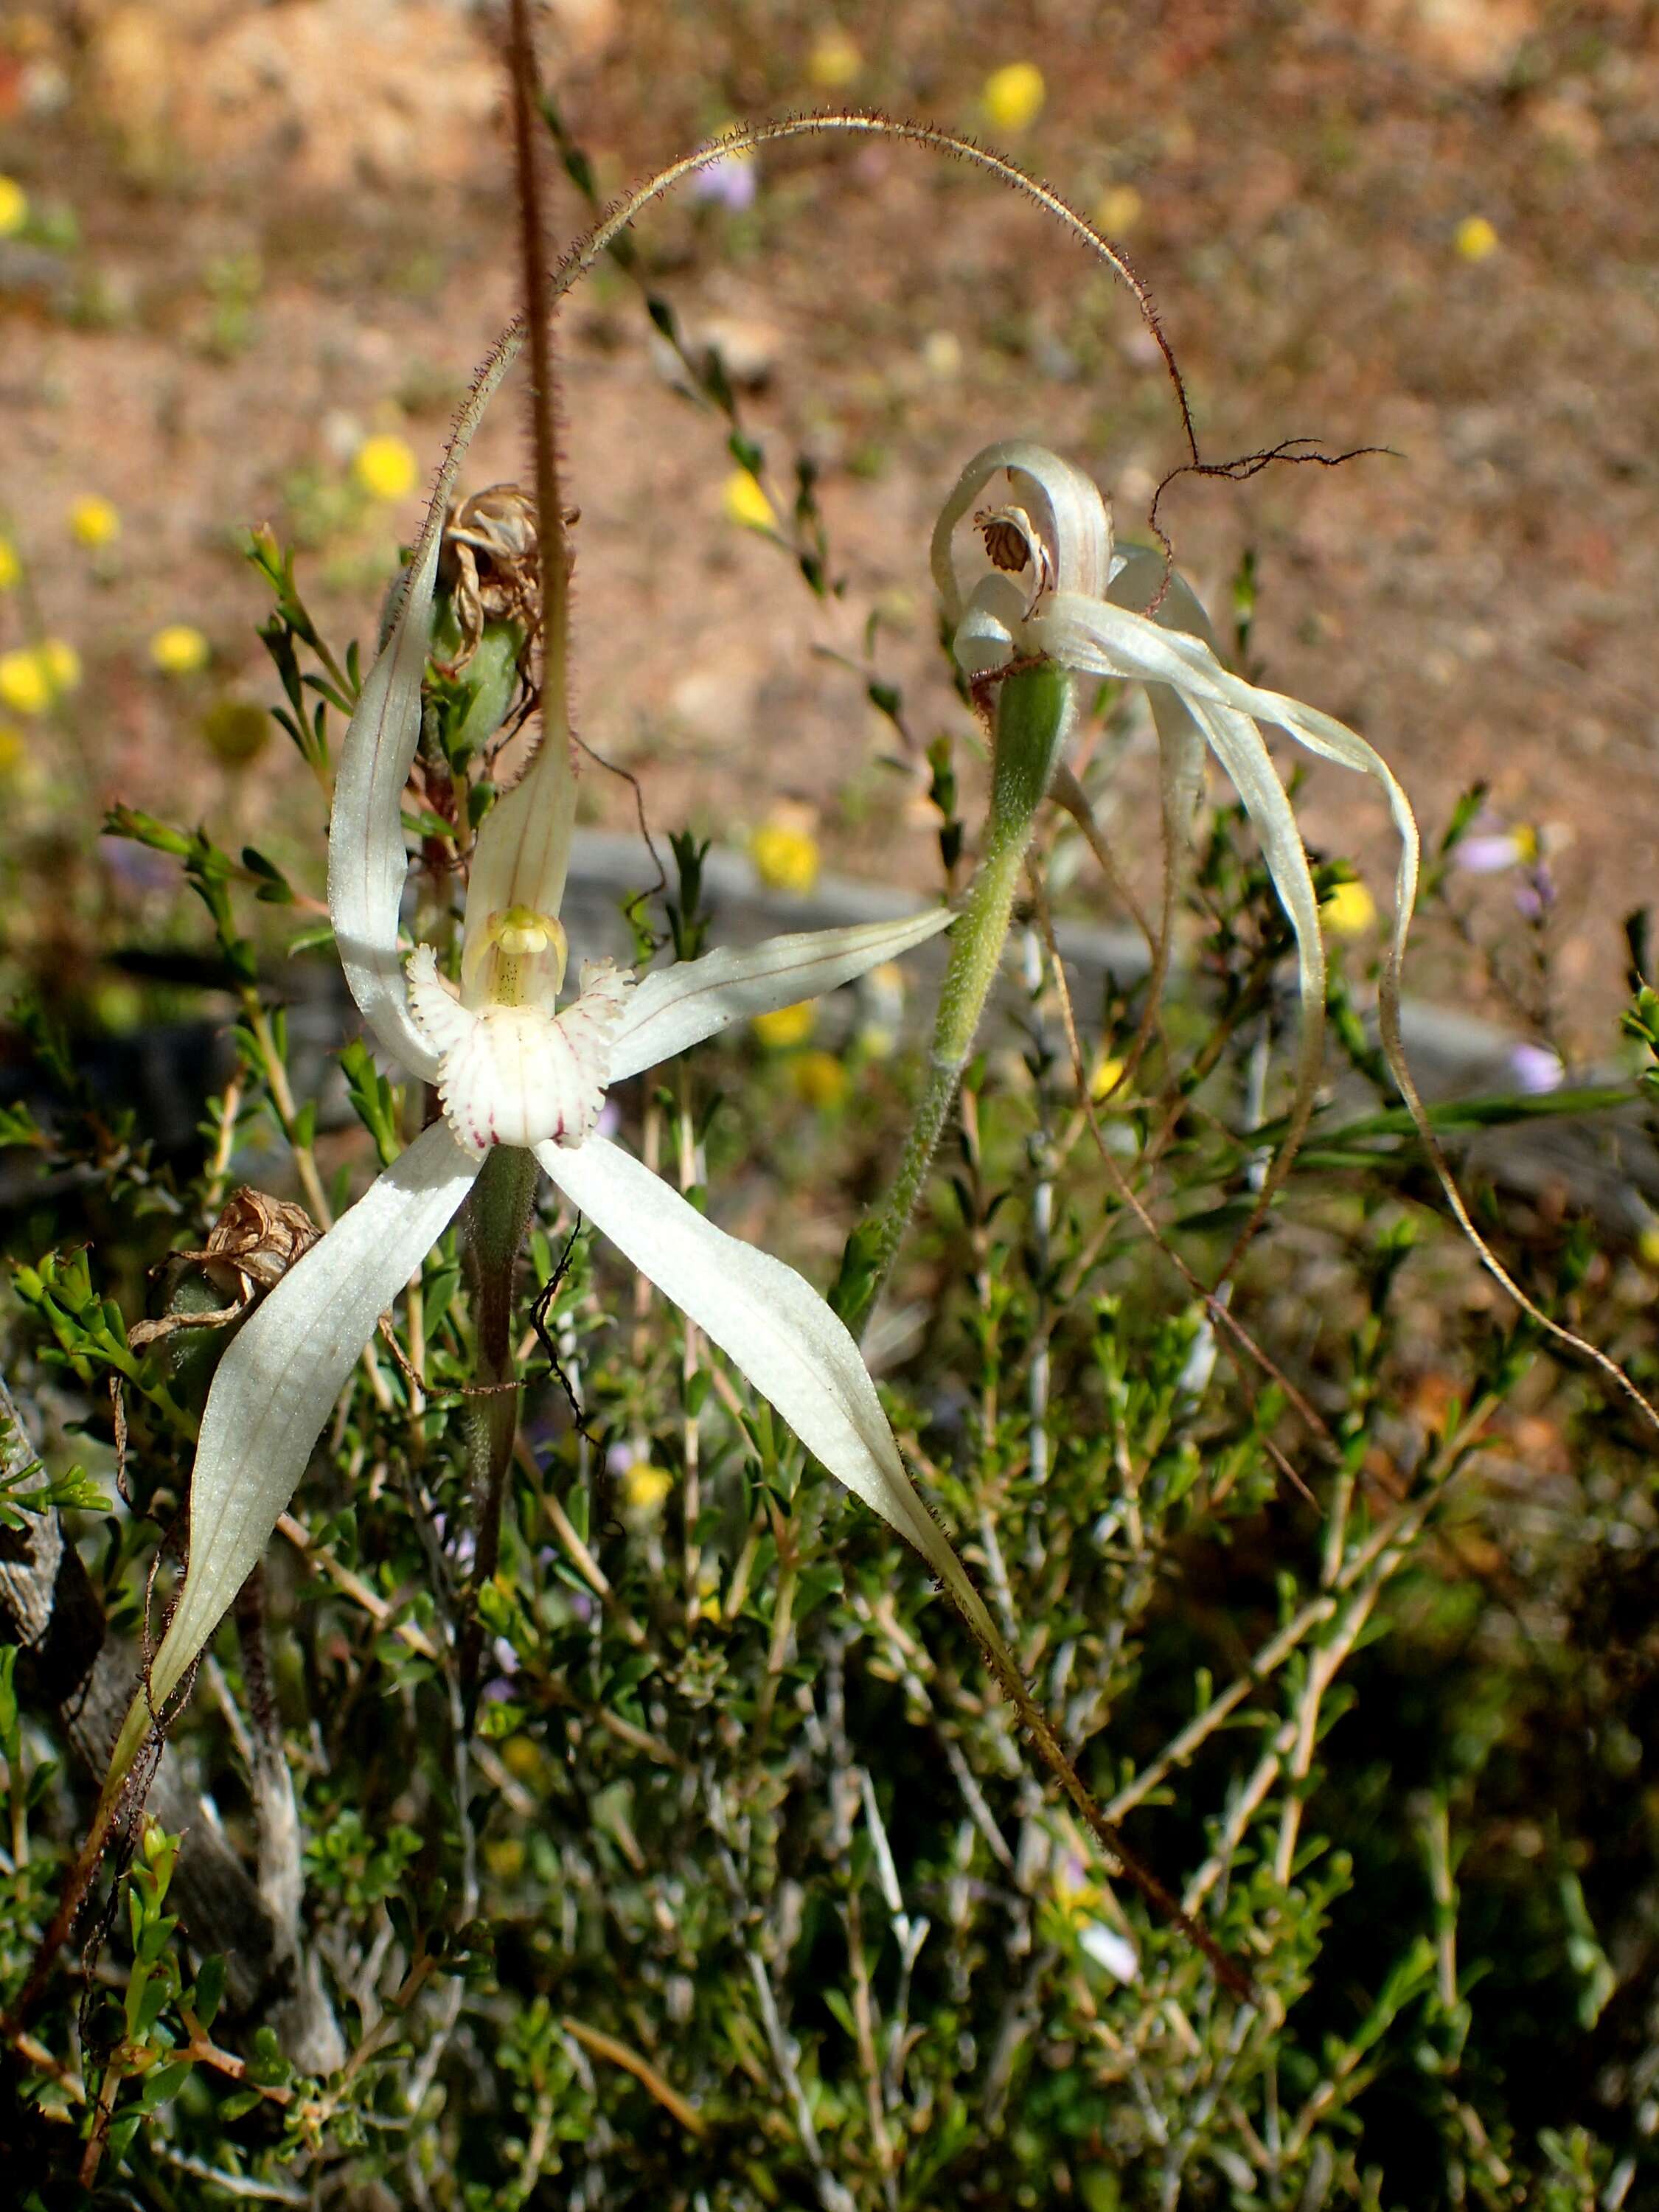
81, 1682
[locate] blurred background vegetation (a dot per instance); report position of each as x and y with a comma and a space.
745, 1892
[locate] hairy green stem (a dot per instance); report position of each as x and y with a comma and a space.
1034, 712
498, 1214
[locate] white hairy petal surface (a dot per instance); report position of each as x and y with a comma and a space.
276, 1385
676, 1007
518, 1075
443, 1021
367, 861
778, 1332
1065, 505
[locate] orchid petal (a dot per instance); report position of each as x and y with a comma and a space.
1240, 748
1139, 575
675, 1007
367, 861
779, 1333
1065, 504
1111, 641
276, 1385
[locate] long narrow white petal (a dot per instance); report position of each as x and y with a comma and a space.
277, 1384
367, 861
1239, 746
1111, 640
676, 1007
1065, 504
774, 1327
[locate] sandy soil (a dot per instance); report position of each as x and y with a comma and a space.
294, 230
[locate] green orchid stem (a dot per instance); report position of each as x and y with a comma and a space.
1036, 708
498, 1214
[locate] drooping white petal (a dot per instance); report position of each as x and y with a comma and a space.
675, 1007
1064, 504
1111, 641
367, 861
276, 1385
1240, 748
775, 1328
1139, 576
522, 853
518, 1075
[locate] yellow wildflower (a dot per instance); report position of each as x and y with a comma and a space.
386, 468
1013, 97
93, 521
33, 676
1350, 910
13, 207
835, 60
62, 664
788, 1026
1475, 238
1104, 1077
11, 566
1118, 210
818, 1077
180, 649
24, 686
646, 1487
745, 503
786, 856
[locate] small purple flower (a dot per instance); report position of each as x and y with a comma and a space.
1536, 896
731, 183
1488, 855
1536, 1069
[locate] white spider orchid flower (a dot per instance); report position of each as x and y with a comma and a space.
511, 1068
1058, 590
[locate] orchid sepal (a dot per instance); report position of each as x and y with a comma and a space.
675, 1007
276, 1385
